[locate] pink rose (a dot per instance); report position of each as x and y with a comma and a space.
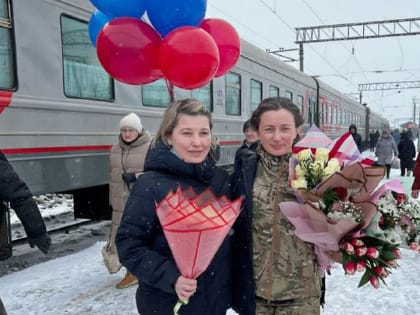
381, 271
361, 266
414, 245
357, 242
397, 253
374, 281
392, 263
350, 268
361, 251
372, 253
348, 248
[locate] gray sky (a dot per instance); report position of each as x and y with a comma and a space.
342, 64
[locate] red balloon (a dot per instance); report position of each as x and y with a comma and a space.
227, 40
128, 50
188, 57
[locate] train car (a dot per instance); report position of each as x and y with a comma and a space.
59, 110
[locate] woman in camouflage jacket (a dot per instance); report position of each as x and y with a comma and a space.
274, 271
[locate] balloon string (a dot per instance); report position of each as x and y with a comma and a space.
170, 88
178, 306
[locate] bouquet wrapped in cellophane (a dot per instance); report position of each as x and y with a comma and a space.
195, 227
337, 191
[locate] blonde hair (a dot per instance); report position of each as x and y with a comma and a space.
170, 119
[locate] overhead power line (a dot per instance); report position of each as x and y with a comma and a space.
361, 30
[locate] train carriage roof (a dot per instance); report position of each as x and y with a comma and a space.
258, 55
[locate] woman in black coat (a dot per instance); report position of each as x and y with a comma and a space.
250, 142
406, 153
179, 156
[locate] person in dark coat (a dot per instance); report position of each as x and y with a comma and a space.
274, 272
178, 156
356, 136
406, 153
14, 190
415, 187
250, 142
372, 141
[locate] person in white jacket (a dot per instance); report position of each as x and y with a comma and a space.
386, 149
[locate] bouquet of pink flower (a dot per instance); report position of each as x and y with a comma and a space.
336, 203
373, 256
195, 227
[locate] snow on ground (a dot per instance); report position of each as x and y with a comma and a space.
79, 284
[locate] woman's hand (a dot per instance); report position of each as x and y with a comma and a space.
185, 288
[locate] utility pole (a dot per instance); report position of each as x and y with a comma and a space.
416, 101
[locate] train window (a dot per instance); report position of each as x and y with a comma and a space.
288, 95
312, 111
323, 109
204, 95
7, 66
256, 94
4, 9
337, 116
274, 91
156, 94
233, 94
331, 113
327, 113
299, 102
84, 77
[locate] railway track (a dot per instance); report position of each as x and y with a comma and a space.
57, 229
67, 238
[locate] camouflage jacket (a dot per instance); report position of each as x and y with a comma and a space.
284, 265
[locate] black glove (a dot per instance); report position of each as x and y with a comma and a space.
43, 242
129, 177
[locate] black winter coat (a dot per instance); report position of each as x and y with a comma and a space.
243, 274
244, 151
406, 148
144, 251
15, 191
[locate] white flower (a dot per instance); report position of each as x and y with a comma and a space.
299, 183
321, 155
334, 164
304, 155
393, 235
300, 172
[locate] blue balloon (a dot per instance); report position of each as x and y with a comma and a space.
96, 23
121, 8
167, 15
